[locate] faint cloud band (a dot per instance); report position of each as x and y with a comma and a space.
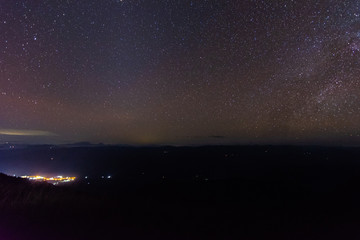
17, 132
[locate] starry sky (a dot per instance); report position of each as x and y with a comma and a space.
180, 72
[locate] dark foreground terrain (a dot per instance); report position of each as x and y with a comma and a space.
184, 193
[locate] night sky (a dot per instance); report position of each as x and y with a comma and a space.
180, 72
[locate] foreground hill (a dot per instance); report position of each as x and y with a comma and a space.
287, 193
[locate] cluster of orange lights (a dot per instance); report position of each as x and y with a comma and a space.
50, 179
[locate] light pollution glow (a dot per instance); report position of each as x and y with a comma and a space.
53, 179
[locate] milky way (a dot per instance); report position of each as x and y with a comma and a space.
181, 72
